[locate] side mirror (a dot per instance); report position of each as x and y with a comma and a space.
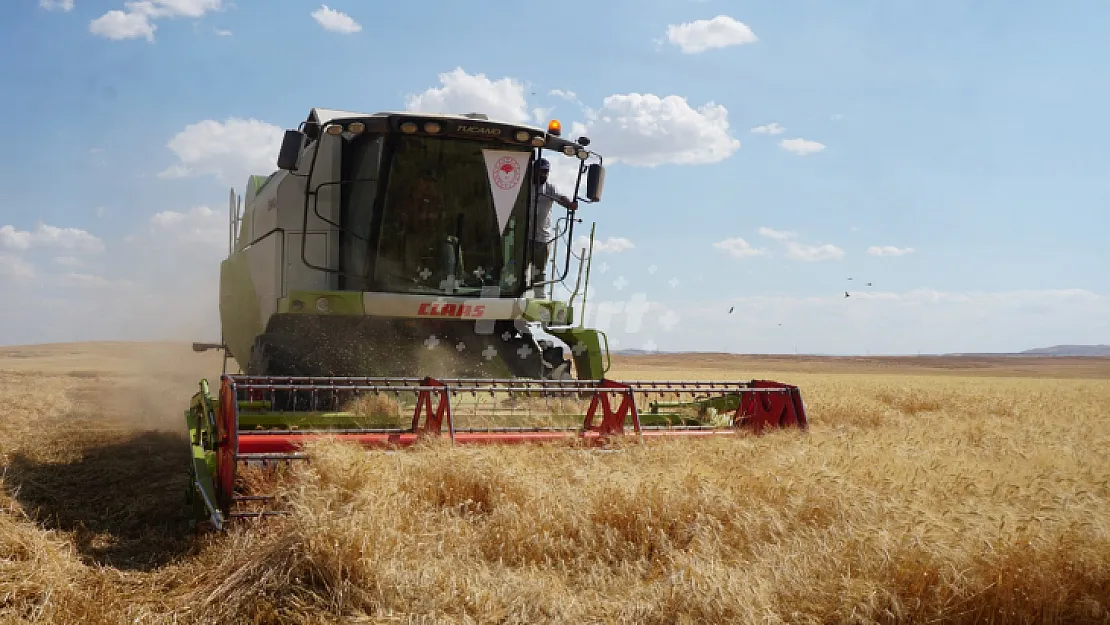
595, 182
290, 152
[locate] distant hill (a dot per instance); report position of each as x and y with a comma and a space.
1056, 351
1069, 350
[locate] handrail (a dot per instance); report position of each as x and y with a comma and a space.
570, 230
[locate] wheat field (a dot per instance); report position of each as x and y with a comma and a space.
967, 490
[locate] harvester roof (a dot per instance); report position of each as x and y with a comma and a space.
549, 137
323, 116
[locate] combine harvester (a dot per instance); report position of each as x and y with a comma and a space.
379, 289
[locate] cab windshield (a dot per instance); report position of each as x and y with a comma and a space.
439, 228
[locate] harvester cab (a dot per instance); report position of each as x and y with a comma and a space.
379, 287
382, 235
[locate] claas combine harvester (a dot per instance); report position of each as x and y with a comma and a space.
379, 289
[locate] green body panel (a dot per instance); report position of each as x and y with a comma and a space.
205, 490
339, 303
239, 310
723, 403
707, 411
258, 182
548, 312
588, 362
202, 436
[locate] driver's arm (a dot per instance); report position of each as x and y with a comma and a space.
563, 200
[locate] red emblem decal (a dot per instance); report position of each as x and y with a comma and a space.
507, 172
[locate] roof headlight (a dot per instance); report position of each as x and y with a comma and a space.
356, 127
334, 130
522, 135
432, 127
408, 128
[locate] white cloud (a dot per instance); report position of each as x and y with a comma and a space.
118, 25
220, 32
801, 147
769, 129
84, 281
69, 261
778, 235
15, 268
813, 253
569, 96
801, 251
13, 239
460, 92
137, 21
229, 150
701, 35
738, 248
74, 239
175, 8
564, 173
648, 130
199, 224
541, 114
611, 245
637, 129
889, 250
16, 245
57, 5
335, 21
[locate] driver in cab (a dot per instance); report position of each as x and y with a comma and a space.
541, 221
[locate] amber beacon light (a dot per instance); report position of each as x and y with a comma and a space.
554, 127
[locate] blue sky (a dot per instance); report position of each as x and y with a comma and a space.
972, 134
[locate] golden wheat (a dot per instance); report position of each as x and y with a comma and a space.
912, 498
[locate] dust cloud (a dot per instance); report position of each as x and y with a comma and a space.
140, 386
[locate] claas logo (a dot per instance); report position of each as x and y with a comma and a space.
450, 310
